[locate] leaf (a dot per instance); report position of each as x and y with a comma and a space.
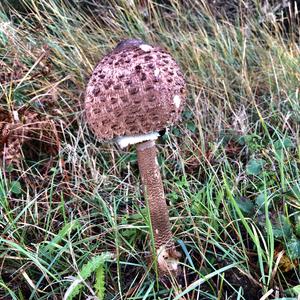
9, 168
129, 233
285, 264
3, 38
297, 226
187, 114
176, 131
191, 126
253, 141
245, 205
260, 200
293, 248
15, 187
282, 228
295, 191
255, 166
130, 158
283, 144
86, 271
66, 229
296, 289
100, 282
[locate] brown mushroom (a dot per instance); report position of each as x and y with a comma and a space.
136, 91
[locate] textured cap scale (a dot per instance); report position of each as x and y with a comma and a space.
135, 89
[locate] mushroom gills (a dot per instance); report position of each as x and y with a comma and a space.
124, 141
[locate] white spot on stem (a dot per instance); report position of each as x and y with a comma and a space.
177, 101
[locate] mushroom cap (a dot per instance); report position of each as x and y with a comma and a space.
135, 89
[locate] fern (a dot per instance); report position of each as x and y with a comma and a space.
96, 264
100, 282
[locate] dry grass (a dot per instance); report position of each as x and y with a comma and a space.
231, 168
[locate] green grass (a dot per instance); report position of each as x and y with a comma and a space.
231, 168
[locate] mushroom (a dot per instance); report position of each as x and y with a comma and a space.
136, 91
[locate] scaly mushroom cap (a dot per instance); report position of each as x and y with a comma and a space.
135, 89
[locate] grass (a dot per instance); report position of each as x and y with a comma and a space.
231, 168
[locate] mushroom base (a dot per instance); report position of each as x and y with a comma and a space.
167, 260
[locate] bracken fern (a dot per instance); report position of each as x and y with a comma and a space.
95, 265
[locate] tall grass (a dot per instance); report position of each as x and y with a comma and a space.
230, 168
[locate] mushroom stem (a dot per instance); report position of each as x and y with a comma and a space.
167, 256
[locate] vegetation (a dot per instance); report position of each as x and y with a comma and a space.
73, 220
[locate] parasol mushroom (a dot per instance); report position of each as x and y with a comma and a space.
136, 91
